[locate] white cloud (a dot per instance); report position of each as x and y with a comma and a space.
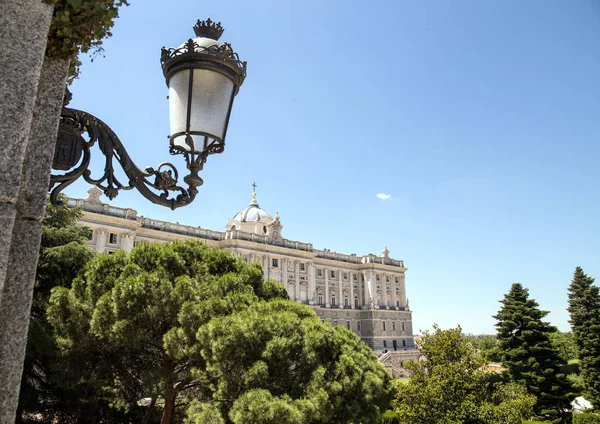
383, 196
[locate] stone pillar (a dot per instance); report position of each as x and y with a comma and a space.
384, 296
351, 278
394, 297
312, 290
340, 289
101, 235
297, 282
127, 242
327, 298
16, 287
23, 36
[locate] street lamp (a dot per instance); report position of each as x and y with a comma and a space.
203, 76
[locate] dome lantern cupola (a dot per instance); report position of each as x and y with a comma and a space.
252, 219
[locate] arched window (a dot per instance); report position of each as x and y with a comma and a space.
233, 228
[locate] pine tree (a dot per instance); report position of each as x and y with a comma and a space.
531, 359
584, 309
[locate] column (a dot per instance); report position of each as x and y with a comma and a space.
361, 300
351, 277
394, 297
312, 291
340, 291
384, 286
100, 239
297, 277
266, 266
327, 299
127, 243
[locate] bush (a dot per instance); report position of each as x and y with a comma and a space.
586, 418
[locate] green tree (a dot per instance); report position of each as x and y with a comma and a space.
80, 26
184, 324
531, 359
452, 387
63, 253
584, 310
565, 344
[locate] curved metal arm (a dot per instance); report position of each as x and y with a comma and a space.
71, 145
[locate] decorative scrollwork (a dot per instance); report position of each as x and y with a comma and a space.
163, 179
220, 52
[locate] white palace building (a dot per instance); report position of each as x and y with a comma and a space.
367, 294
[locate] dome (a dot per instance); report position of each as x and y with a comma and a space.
253, 213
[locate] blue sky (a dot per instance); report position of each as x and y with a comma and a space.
479, 118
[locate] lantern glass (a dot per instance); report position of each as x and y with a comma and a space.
200, 109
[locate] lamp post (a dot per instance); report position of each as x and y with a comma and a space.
203, 76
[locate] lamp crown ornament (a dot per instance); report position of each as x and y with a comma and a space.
208, 29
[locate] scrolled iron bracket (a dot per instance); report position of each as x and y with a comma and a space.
160, 185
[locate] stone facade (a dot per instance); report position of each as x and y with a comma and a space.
367, 294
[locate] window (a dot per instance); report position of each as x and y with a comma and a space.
403, 326
274, 263
396, 280
91, 235
110, 252
387, 279
358, 326
394, 326
355, 278
403, 343
346, 301
356, 302
345, 276
348, 325
332, 300
334, 322
377, 277
319, 272
384, 343
112, 238
302, 277
332, 274
302, 267
383, 323
265, 229
397, 303
320, 300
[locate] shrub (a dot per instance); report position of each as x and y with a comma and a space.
588, 418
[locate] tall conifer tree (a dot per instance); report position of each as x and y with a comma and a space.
584, 309
531, 359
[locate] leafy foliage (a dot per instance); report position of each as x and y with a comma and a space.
564, 343
63, 253
586, 418
80, 26
584, 310
193, 326
452, 387
532, 361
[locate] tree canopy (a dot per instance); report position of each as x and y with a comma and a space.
531, 359
584, 311
451, 386
63, 253
190, 326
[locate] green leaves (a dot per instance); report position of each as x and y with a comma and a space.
584, 311
79, 26
451, 386
184, 321
532, 360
